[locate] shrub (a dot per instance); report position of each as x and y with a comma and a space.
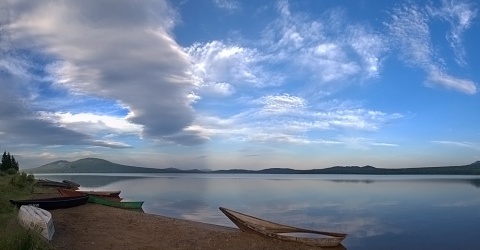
21, 180
11, 171
30, 178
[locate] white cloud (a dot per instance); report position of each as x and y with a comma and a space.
125, 54
229, 5
329, 49
462, 85
89, 123
464, 144
283, 103
215, 62
288, 119
460, 16
410, 31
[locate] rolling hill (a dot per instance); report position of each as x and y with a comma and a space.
95, 165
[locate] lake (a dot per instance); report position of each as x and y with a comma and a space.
378, 212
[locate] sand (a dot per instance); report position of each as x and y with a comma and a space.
93, 226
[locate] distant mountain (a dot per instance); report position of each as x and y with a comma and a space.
95, 165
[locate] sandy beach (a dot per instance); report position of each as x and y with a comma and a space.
93, 226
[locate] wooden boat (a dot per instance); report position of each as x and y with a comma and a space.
265, 228
102, 201
53, 203
101, 193
71, 183
72, 193
38, 220
49, 183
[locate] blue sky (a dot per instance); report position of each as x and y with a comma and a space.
220, 84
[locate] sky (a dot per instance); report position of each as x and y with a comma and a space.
224, 84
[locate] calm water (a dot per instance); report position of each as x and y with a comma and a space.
378, 212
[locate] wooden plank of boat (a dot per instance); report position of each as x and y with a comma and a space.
37, 219
102, 201
53, 203
72, 193
265, 228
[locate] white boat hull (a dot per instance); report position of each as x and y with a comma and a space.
37, 219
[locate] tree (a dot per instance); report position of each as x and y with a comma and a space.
5, 162
8, 162
14, 164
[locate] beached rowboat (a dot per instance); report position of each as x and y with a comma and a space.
72, 193
49, 183
128, 204
101, 193
38, 220
265, 228
71, 183
53, 203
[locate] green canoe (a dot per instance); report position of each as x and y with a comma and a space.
120, 204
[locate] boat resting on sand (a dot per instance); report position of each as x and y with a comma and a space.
38, 220
72, 193
49, 183
122, 204
265, 228
71, 183
53, 203
101, 193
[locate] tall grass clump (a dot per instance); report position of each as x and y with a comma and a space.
12, 235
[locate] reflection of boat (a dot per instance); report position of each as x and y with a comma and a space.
53, 203
49, 183
38, 220
128, 204
72, 193
262, 227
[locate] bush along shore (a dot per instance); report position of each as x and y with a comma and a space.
15, 185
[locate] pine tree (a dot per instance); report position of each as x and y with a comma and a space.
14, 163
8, 162
5, 162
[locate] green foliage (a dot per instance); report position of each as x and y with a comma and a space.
30, 178
8, 162
22, 180
12, 234
11, 171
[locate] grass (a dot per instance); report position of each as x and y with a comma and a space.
12, 234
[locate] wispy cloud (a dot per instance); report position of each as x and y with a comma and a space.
230, 5
463, 144
293, 117
216, 64
330, 48
410, 30
460, 15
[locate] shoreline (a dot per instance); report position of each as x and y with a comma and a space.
94, 226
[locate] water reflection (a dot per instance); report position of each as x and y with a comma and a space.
378, 212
